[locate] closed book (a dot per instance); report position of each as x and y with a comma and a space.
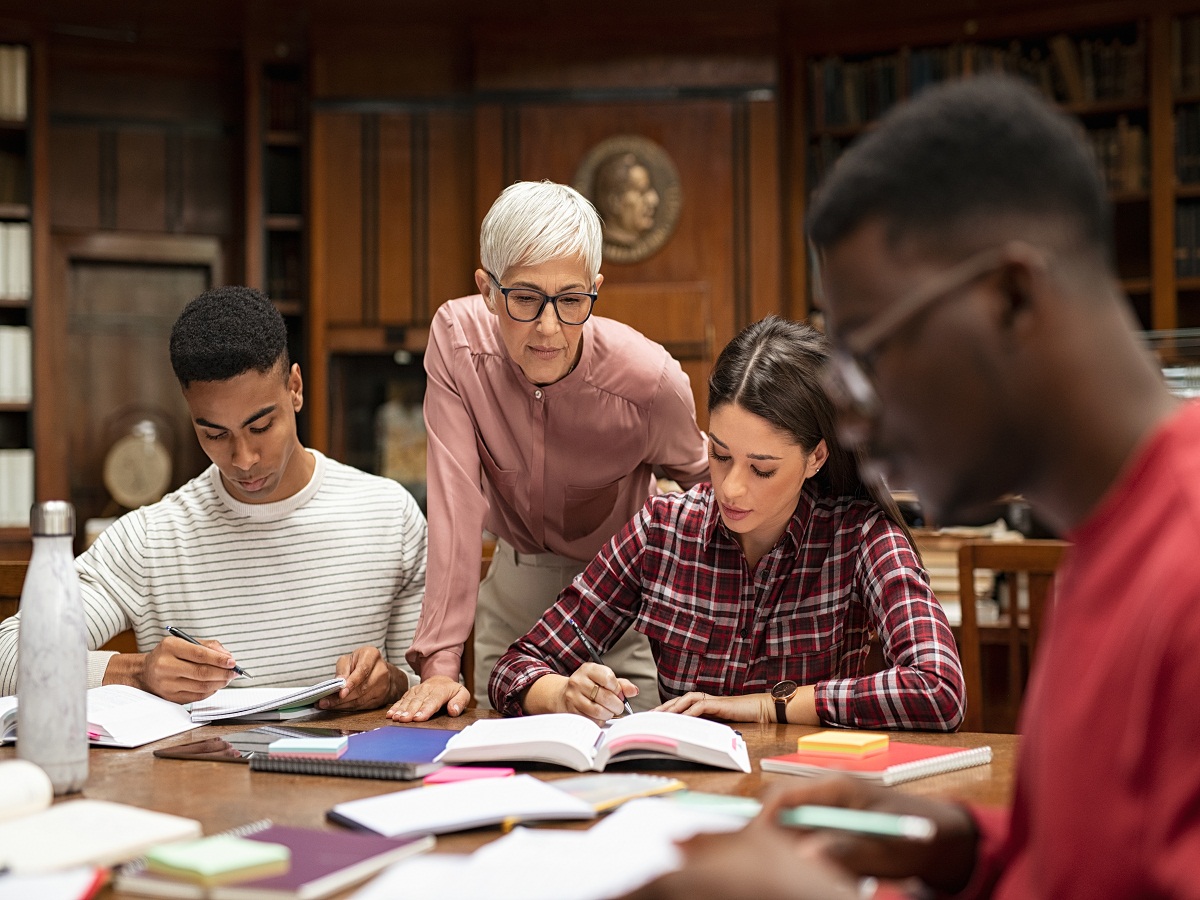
394, 752
578, 743
900, 762
322, 863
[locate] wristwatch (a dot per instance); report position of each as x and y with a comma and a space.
781, 694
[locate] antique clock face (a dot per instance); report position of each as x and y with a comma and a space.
137, 470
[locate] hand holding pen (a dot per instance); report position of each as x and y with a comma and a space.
595, 656
183, 635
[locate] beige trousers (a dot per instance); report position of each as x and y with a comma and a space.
517, 589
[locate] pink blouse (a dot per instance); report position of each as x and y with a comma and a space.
559, 468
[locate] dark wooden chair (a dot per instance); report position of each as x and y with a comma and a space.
1033, 562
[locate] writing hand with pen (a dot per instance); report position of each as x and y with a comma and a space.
592, 690
180, 668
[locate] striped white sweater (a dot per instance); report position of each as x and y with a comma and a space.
286, 587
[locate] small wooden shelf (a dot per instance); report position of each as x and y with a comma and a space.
1188, 283
1105, 107
6, 407
13, 125
1136, 285
1187, 191
11, 211
1129, 196
283, 222
289, 307
14, 302
284, 139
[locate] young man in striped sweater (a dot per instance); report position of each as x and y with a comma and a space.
302, 567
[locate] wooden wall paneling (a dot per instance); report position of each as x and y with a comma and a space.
400, 226
206, 185
700, 137
453, 230
337, 216
141, 181
768, 293
335, 266
75, 188
491, 166
118, 295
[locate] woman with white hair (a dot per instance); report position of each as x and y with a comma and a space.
547, 425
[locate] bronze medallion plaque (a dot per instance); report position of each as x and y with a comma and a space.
635, 188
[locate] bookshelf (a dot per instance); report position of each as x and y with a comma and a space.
276, 223
1108, 75
17, 490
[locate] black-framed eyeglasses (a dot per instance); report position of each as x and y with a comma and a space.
847, 378
525, 304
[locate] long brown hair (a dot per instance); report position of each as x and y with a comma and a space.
773, 370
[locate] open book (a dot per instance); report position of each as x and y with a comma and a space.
578, 743
263, 704
117, 715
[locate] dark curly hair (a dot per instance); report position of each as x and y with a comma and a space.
227, 331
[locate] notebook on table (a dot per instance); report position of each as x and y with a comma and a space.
394, 752
262, 704
900, 762
117, 716
579, 743
322, 863
442, 808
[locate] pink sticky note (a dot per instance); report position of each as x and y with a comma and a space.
447, 774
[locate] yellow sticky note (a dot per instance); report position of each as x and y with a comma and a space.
843, 743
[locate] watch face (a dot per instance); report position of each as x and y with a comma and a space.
784, 689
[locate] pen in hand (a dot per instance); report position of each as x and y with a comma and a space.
596, 658
183, 635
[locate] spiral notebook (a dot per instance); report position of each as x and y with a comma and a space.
322, 863
393, 752
900, 762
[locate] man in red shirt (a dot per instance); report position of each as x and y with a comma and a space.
985, 347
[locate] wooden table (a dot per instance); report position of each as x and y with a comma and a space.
225, 795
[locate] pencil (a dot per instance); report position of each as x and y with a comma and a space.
596, 658
183, 635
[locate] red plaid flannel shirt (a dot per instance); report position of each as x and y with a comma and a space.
840, 570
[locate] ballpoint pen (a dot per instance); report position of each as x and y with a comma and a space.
596, 657
183, 635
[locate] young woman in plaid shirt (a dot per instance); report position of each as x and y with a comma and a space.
758, 592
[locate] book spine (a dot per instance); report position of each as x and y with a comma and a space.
937, 765
383, 771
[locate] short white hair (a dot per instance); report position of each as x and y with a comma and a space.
532, 222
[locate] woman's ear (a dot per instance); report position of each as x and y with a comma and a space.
484, 283
817, 459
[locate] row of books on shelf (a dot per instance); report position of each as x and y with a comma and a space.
15, 280
16, 487
1185, 55
14, 66
1187, 144
1123, 155
1187, 238
1068, 70
16, 364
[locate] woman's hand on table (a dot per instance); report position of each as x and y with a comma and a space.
744, 708
423, 701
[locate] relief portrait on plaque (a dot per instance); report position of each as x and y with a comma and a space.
635, 187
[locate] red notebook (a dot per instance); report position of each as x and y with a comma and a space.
323, 863
900, 762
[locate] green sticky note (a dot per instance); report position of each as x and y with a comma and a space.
219, 859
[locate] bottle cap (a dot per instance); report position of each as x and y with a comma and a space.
54, 518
